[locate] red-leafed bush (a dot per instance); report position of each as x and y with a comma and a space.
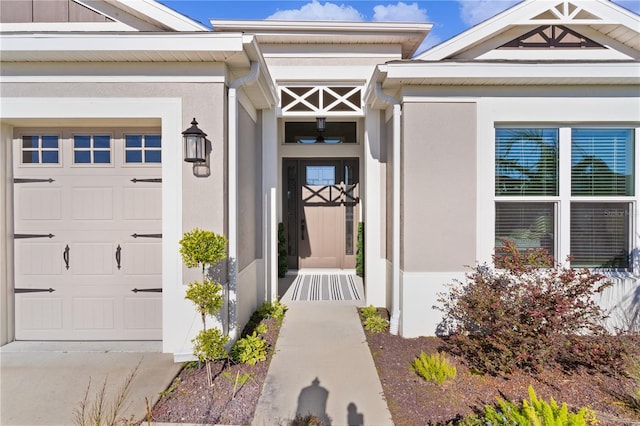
528, 313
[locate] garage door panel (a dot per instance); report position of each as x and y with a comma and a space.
93, 209
93, 313
92, 203
142, 203
33, 204
39, 258
92, 258
142, 258
143, 312
39, 312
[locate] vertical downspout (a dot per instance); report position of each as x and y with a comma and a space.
232, 213
395, 260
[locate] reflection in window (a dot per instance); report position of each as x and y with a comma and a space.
92, 149
43, 149
528, 225
321, 175
526, 162
143, 149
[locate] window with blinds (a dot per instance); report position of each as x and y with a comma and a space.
595, 194
601, 162
526, 162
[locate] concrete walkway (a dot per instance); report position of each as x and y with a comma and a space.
322, 366
42, 383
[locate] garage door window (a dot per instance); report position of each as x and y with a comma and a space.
142, 149
41, 149
92, 149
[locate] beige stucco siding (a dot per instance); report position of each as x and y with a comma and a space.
438, 186
249, 189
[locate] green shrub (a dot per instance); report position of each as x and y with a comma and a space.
250, 349
283, 267
206, 296
434, 368
368, 311
261, 328
360, 251
209, 345
376, 324
270, 310
529, 314
536, 411
199, 248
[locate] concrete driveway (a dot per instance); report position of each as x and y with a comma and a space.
42, 383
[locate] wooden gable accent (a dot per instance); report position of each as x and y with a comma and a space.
21, 11
552, 37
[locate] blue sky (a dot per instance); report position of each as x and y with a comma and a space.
450, 17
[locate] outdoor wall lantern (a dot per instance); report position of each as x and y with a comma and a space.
321, 125
195, 144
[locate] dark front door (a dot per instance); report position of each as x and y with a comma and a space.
321, 209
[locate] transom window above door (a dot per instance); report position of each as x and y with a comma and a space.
306, 132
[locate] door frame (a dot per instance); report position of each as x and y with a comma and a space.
292, 182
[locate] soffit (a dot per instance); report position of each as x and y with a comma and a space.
407, 35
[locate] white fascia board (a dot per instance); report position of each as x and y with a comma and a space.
161, 13
265, 80
316, 27
129, 42
606, 72
34, 27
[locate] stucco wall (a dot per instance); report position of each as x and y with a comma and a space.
439, 186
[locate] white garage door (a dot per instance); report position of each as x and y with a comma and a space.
87, 234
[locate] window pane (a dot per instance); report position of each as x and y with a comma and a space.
82, 141
526, 162
133, 157
528, 225
133, 141
102, 157
50, 142
152, 156
600, 235
602, 162
30, 141
321, 175
82, 157
152, 141
102, 142
30, 157
50, 157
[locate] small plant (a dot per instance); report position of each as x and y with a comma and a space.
261, 328
283, 267
434, 368
208, 345
360, 251
274, 310
238, 382
630, 397
308, 420
250, 349
536, 411
101, 410
372, 321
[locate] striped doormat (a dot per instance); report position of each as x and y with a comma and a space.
324, 287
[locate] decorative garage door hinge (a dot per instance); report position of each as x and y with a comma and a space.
33, 290
24, 180
20, 236
153, 180
146, 235
147, 290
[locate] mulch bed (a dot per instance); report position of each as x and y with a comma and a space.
193, 401
414, 401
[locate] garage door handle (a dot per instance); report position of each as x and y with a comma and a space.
65, 256
118, 255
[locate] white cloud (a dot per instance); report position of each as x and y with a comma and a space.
316, 11
473, 12
400, 12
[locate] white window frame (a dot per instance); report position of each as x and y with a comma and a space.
39, 134
92, 150
142, 149
559, 112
